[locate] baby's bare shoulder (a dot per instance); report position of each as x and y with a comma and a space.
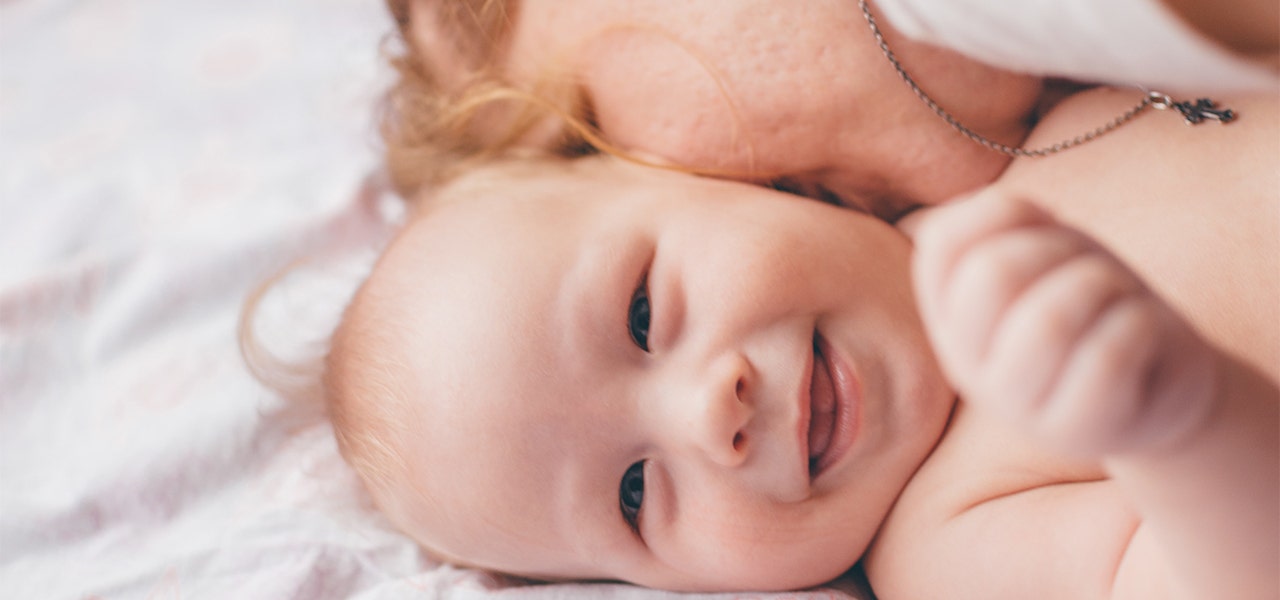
991, 517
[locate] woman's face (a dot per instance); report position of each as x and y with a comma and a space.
624, 373
768, 90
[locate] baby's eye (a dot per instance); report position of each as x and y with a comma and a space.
631, 495
638, 317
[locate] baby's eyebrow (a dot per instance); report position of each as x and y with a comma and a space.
576, 314
597, 289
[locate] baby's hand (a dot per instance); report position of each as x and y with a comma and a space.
1036, 322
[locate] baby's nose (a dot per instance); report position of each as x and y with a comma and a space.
719, 412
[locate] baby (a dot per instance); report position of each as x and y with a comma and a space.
587, 369
423, 396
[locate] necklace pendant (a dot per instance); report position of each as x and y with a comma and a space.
1195, 113
1203, 110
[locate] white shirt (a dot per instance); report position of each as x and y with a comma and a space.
1126, 42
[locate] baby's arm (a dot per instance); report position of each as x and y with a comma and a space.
1035, 322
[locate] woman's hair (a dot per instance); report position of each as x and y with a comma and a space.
452, 108
443, 114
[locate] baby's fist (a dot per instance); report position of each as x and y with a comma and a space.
1037, 322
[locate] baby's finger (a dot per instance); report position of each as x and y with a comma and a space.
1139, 379
986, 281
1100, 393
1042, 329
1178, 390
946, 233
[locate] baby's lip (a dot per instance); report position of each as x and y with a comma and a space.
835, 431
805, 406
822, 409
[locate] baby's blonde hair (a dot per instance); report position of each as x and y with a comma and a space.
367, 409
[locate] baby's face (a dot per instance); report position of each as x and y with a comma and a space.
794, 90
624, 373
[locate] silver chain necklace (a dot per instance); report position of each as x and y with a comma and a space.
1199, 111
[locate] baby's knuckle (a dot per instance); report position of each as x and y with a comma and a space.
1137, 319
1056, 321
988, 267
1094, 271
1119, 345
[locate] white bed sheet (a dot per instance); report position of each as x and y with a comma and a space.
158, 160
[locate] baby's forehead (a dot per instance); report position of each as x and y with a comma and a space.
522, 190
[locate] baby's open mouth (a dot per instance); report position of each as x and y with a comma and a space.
822, 408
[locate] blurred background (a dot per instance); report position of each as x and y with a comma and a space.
159, 160
142, 119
